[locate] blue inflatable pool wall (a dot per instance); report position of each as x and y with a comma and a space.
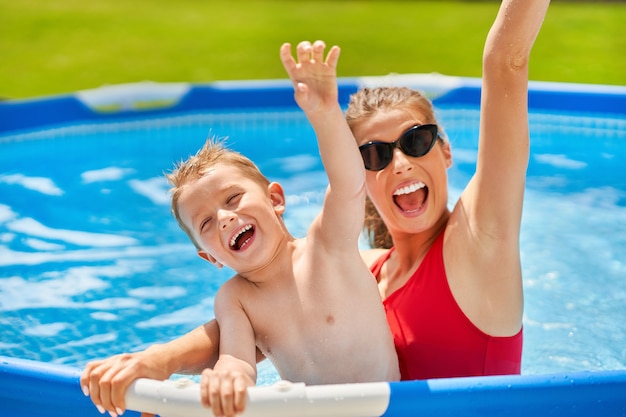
154, 99
34, 389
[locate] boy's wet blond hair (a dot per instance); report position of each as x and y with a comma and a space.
364, 104
195, 167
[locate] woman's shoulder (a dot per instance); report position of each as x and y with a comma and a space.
371, 255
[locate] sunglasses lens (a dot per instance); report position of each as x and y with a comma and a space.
419, 140
376, 156
416, 142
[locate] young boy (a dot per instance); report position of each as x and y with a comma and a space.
310, 305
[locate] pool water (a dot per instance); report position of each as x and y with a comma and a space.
93, 264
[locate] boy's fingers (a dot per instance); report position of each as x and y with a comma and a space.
227, 395
287, 59
333, 57
216, 407
214, 388
204, 389
241, 392
285, 53
318, 51
304, 51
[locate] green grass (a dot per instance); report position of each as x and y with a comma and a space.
59, 46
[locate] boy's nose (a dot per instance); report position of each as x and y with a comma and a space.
225, 217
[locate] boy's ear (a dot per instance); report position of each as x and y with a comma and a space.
277, 195
209, 258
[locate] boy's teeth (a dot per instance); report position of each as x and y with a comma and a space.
243, 229
409, 188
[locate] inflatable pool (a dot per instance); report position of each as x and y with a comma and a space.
35, 388
31, 388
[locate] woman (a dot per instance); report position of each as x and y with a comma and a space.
471, 323
451, 283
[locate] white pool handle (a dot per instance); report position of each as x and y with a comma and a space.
181, 398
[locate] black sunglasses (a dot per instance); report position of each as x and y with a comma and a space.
416, 142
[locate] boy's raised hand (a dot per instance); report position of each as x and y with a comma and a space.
314, 79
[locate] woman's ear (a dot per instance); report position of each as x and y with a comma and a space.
209, 258
447, 153
277, 195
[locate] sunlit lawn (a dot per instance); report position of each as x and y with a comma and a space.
59, 46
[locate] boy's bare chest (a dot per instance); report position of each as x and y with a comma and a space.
302, 310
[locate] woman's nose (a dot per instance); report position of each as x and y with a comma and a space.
401, 162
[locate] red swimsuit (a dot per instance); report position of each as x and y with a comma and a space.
433, 337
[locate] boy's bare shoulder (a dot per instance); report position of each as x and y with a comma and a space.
231, 287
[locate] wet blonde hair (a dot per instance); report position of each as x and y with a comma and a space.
195, 167
364, 104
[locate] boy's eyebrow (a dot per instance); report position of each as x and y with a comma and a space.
216, 194
224, 188
228, 188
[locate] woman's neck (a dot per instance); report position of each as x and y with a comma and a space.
408, 253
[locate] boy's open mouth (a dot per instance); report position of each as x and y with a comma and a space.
412, 197
242, 237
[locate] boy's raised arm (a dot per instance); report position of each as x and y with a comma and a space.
316, 92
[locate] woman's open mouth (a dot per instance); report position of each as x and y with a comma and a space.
242, 237
411, 198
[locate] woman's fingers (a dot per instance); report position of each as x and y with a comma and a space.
106, 381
